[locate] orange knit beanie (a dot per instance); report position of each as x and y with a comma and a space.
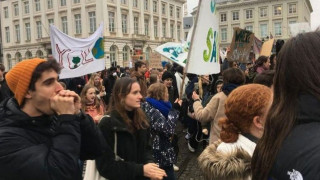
19, 77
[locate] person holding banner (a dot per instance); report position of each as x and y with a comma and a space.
126, 131
43, 132
290, 146
214, 110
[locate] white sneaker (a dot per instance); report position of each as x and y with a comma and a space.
191, 148
175, 168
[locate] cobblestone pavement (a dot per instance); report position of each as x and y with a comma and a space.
187, 161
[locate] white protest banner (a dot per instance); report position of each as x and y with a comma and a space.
204, 49
77, 57
176, 52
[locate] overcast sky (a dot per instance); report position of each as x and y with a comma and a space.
315, 16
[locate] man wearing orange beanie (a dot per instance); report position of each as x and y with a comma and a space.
43, 133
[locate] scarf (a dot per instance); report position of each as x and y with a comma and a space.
162, 106
228, 88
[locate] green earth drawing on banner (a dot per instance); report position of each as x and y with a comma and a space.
76, 61
98, 49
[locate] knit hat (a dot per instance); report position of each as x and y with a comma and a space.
19, 77
167, 75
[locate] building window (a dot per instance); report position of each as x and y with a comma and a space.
39, 54
28, 55
123, 1
39, 29
171, 11
292, 8
146, 27
249, 28
178, 32
64, 22
148, 52
76, 1
249, 14
223, 17
17, 32
111, 22
28, 32
263, 30
135, 3
263, 12
124, 23
92, 21
155, 6
163, 9
155, 28
9, 61
178, 13
7, 34
171, 31
77, 19
125, 53
136, 25
50, 4
38, 7
235, 16
278, 29
224, 34
291, 22
6, 12
16, 9
113, 50
18, 57
277, 10
63, 2
26, 7
50, 21
146, 5
164, 28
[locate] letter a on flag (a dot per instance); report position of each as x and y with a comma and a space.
78, 57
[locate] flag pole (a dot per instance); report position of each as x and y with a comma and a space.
191, 43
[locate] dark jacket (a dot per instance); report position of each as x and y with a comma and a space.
133, 148
45, 147
162, 130
4, 90
299, 154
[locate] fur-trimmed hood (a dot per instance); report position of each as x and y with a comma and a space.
225, 165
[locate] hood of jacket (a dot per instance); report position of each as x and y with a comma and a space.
232, 165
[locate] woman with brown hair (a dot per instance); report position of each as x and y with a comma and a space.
290, 146
96, 81
163, 118
90, 103
127, 134
245, 110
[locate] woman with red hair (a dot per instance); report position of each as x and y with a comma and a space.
245, 111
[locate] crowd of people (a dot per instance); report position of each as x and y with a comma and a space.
256, 120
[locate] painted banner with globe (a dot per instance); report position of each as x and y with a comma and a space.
78, 57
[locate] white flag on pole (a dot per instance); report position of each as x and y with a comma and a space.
78, 57
203, 55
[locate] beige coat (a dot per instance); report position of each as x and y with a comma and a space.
213, 111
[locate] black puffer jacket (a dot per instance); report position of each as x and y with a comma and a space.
134, 148
299, 157
45, 147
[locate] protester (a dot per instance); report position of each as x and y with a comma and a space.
290, 144
96, 81
76, 84
262, 64
4, 89
90, 103
163, 118
273, 62
167, 79
265, 78
126, 131
245, 108
214, 110
43, 133
140, 69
